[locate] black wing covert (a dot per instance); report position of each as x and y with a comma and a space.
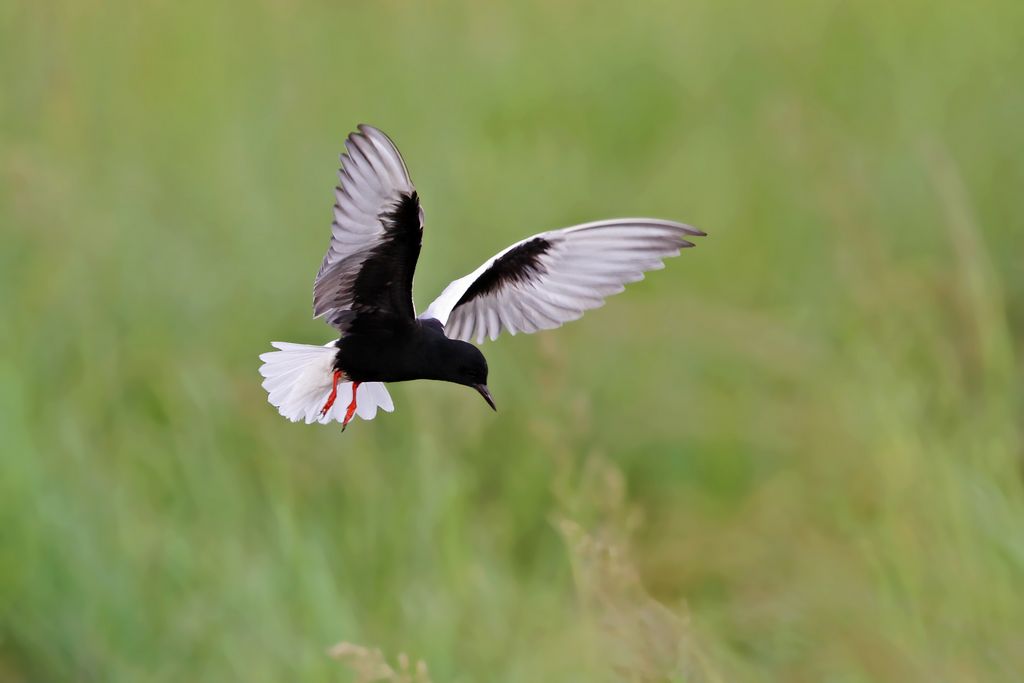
520, 264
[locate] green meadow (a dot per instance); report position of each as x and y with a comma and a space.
794, 455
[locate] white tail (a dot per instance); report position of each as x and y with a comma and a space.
298, 381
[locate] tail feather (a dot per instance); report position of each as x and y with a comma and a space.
298, 379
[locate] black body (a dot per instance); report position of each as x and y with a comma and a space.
386, 348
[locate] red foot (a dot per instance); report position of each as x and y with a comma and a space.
351, 407
334, 394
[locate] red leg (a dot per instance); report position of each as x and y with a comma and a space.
334, 394
351, 407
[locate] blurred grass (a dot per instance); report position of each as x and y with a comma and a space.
807, 429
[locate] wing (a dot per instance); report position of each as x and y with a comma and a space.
375, 237
551, 278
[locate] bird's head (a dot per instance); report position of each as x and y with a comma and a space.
471, 370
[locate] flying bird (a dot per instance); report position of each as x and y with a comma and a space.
364, 291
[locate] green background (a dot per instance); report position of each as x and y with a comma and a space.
793, 455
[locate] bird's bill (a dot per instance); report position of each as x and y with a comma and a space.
486, 393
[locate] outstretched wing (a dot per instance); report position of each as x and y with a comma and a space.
375, 237
551, 278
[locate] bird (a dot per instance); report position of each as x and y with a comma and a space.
363, 290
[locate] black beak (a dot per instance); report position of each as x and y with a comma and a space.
485, 392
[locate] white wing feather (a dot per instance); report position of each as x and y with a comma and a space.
371, 180
582, 266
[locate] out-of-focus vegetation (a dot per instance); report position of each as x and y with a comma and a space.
793, 455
